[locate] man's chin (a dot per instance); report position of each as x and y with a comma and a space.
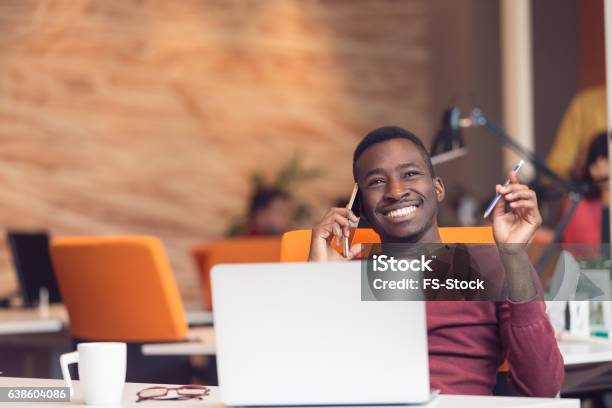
399, 233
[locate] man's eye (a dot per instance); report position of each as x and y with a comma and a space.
410, 174
375, 182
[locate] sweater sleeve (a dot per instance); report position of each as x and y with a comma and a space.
536, 364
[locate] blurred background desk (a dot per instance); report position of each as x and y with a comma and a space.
576, 352
30, 343
30, 320
588, 368
202, 344
198, 317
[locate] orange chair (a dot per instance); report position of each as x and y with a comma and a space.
238, 250
295, 245
118, 289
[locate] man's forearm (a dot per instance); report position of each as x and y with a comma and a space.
516, 263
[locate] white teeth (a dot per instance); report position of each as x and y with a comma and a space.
402, 212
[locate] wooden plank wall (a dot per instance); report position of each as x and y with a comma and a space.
146, 117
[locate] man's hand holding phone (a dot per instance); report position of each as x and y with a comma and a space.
330, 232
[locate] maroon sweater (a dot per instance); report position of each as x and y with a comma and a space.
469, 340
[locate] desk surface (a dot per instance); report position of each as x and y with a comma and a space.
198, 316
130, 390
201, 342
30, 320
585, 351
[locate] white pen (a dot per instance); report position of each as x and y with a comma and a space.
493, 202
346, 250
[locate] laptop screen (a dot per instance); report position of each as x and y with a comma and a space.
32, 260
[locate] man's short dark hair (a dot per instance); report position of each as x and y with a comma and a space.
262, 197
382, 134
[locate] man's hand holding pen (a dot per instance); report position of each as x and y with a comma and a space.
513, 229
520, 223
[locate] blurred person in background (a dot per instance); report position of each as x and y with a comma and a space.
590, 222
270, 212
585, 118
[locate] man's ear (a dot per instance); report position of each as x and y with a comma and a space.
440, 189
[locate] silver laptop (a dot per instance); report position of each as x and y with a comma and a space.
299, 334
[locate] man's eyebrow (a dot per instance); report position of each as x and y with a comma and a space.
405, 165
380, 170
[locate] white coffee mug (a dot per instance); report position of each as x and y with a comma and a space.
101, 371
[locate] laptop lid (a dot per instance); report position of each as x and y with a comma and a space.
32, 261
299, 334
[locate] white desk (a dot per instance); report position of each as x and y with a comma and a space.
23, 321
198, 317
586, 351
29, 320
202, 342
130, 390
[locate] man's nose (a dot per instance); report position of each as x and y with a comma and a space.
396, 191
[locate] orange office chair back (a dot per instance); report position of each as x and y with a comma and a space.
238, 250
118, 289
295, 245
467, 235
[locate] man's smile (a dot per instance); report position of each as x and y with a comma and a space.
400, 212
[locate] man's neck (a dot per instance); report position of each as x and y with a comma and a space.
409, 247
429, 236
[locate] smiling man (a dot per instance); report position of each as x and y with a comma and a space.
468, 340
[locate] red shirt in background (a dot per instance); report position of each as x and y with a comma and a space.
584, 228
585, 224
